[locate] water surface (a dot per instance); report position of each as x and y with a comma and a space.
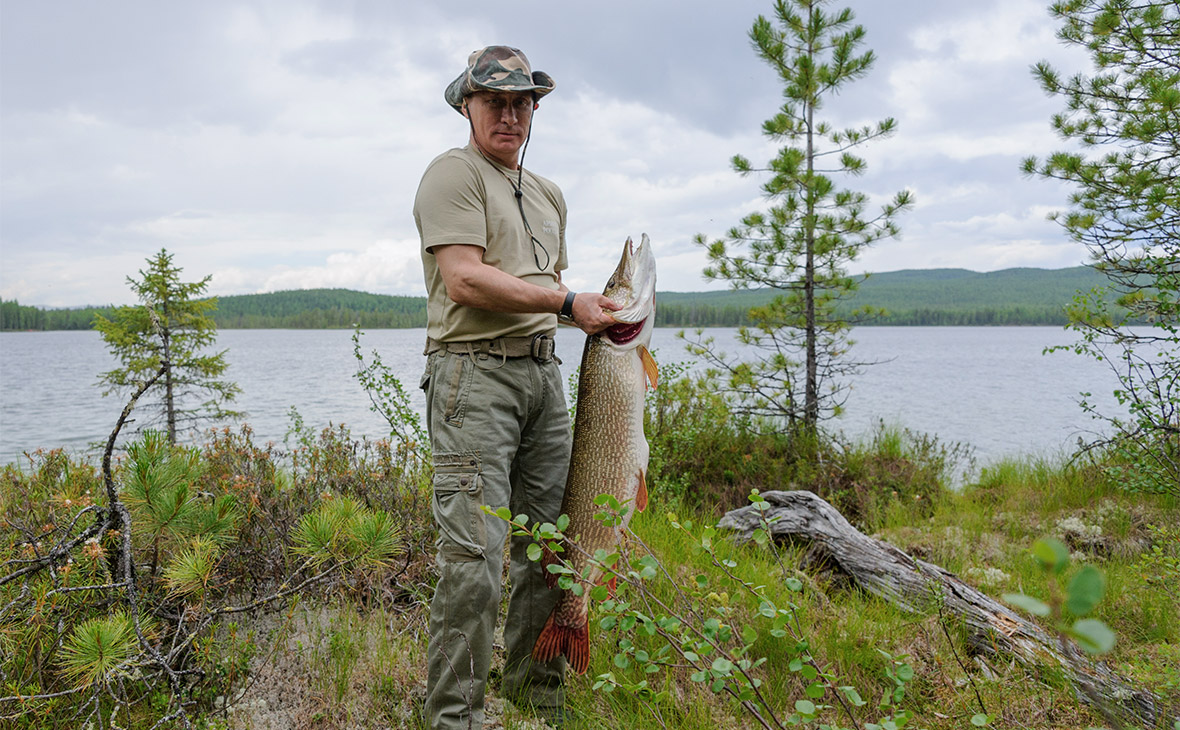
989, 387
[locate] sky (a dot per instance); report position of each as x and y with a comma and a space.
278, 145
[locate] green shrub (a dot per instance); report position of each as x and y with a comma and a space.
705, 456
214, 531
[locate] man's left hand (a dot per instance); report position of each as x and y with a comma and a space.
591, 312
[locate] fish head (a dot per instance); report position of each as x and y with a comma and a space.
633, 287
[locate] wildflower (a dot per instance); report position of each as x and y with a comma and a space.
93, 549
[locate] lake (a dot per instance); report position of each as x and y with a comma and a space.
989, 387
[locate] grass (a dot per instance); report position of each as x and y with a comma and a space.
354, 655
988, 526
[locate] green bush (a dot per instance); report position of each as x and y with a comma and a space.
214, 531
705, 456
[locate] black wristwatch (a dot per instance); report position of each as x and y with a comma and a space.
567, 307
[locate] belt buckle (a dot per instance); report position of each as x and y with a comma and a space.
542, 347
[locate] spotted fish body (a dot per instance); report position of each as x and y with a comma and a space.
610, 450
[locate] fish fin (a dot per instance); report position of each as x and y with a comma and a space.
649, 367
641, 493
572, 641
548, 557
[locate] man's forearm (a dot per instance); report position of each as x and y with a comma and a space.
472, 283
486, 287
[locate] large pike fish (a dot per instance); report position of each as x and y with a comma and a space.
610, 450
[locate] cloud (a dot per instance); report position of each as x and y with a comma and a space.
280, 143
381, 267
988, 34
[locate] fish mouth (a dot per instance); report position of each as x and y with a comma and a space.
637, 268
624, 332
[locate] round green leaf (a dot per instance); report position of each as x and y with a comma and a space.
980, 719
1028, 603
1085, 591
905, 672
1051, 553
805, 707
853, 696
1093, 635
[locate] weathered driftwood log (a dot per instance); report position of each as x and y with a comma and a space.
912, 584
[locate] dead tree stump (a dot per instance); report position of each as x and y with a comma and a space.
912, 585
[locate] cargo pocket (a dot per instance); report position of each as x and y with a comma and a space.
458, 390
424, 382
457, 503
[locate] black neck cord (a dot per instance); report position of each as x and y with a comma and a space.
517, 190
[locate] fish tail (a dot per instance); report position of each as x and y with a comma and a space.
572, 641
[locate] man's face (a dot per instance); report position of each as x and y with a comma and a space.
500, 123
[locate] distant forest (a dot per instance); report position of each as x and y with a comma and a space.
915, 297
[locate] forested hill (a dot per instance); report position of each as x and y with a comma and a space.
319, 309
912, 297
915, 297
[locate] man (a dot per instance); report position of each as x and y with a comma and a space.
493, 249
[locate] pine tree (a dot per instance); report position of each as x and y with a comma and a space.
801, 244
171, 329
1124, 117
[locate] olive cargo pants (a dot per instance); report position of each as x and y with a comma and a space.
501, 437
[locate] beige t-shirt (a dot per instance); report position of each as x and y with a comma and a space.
465, 198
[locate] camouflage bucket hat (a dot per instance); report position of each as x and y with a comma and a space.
497, 68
